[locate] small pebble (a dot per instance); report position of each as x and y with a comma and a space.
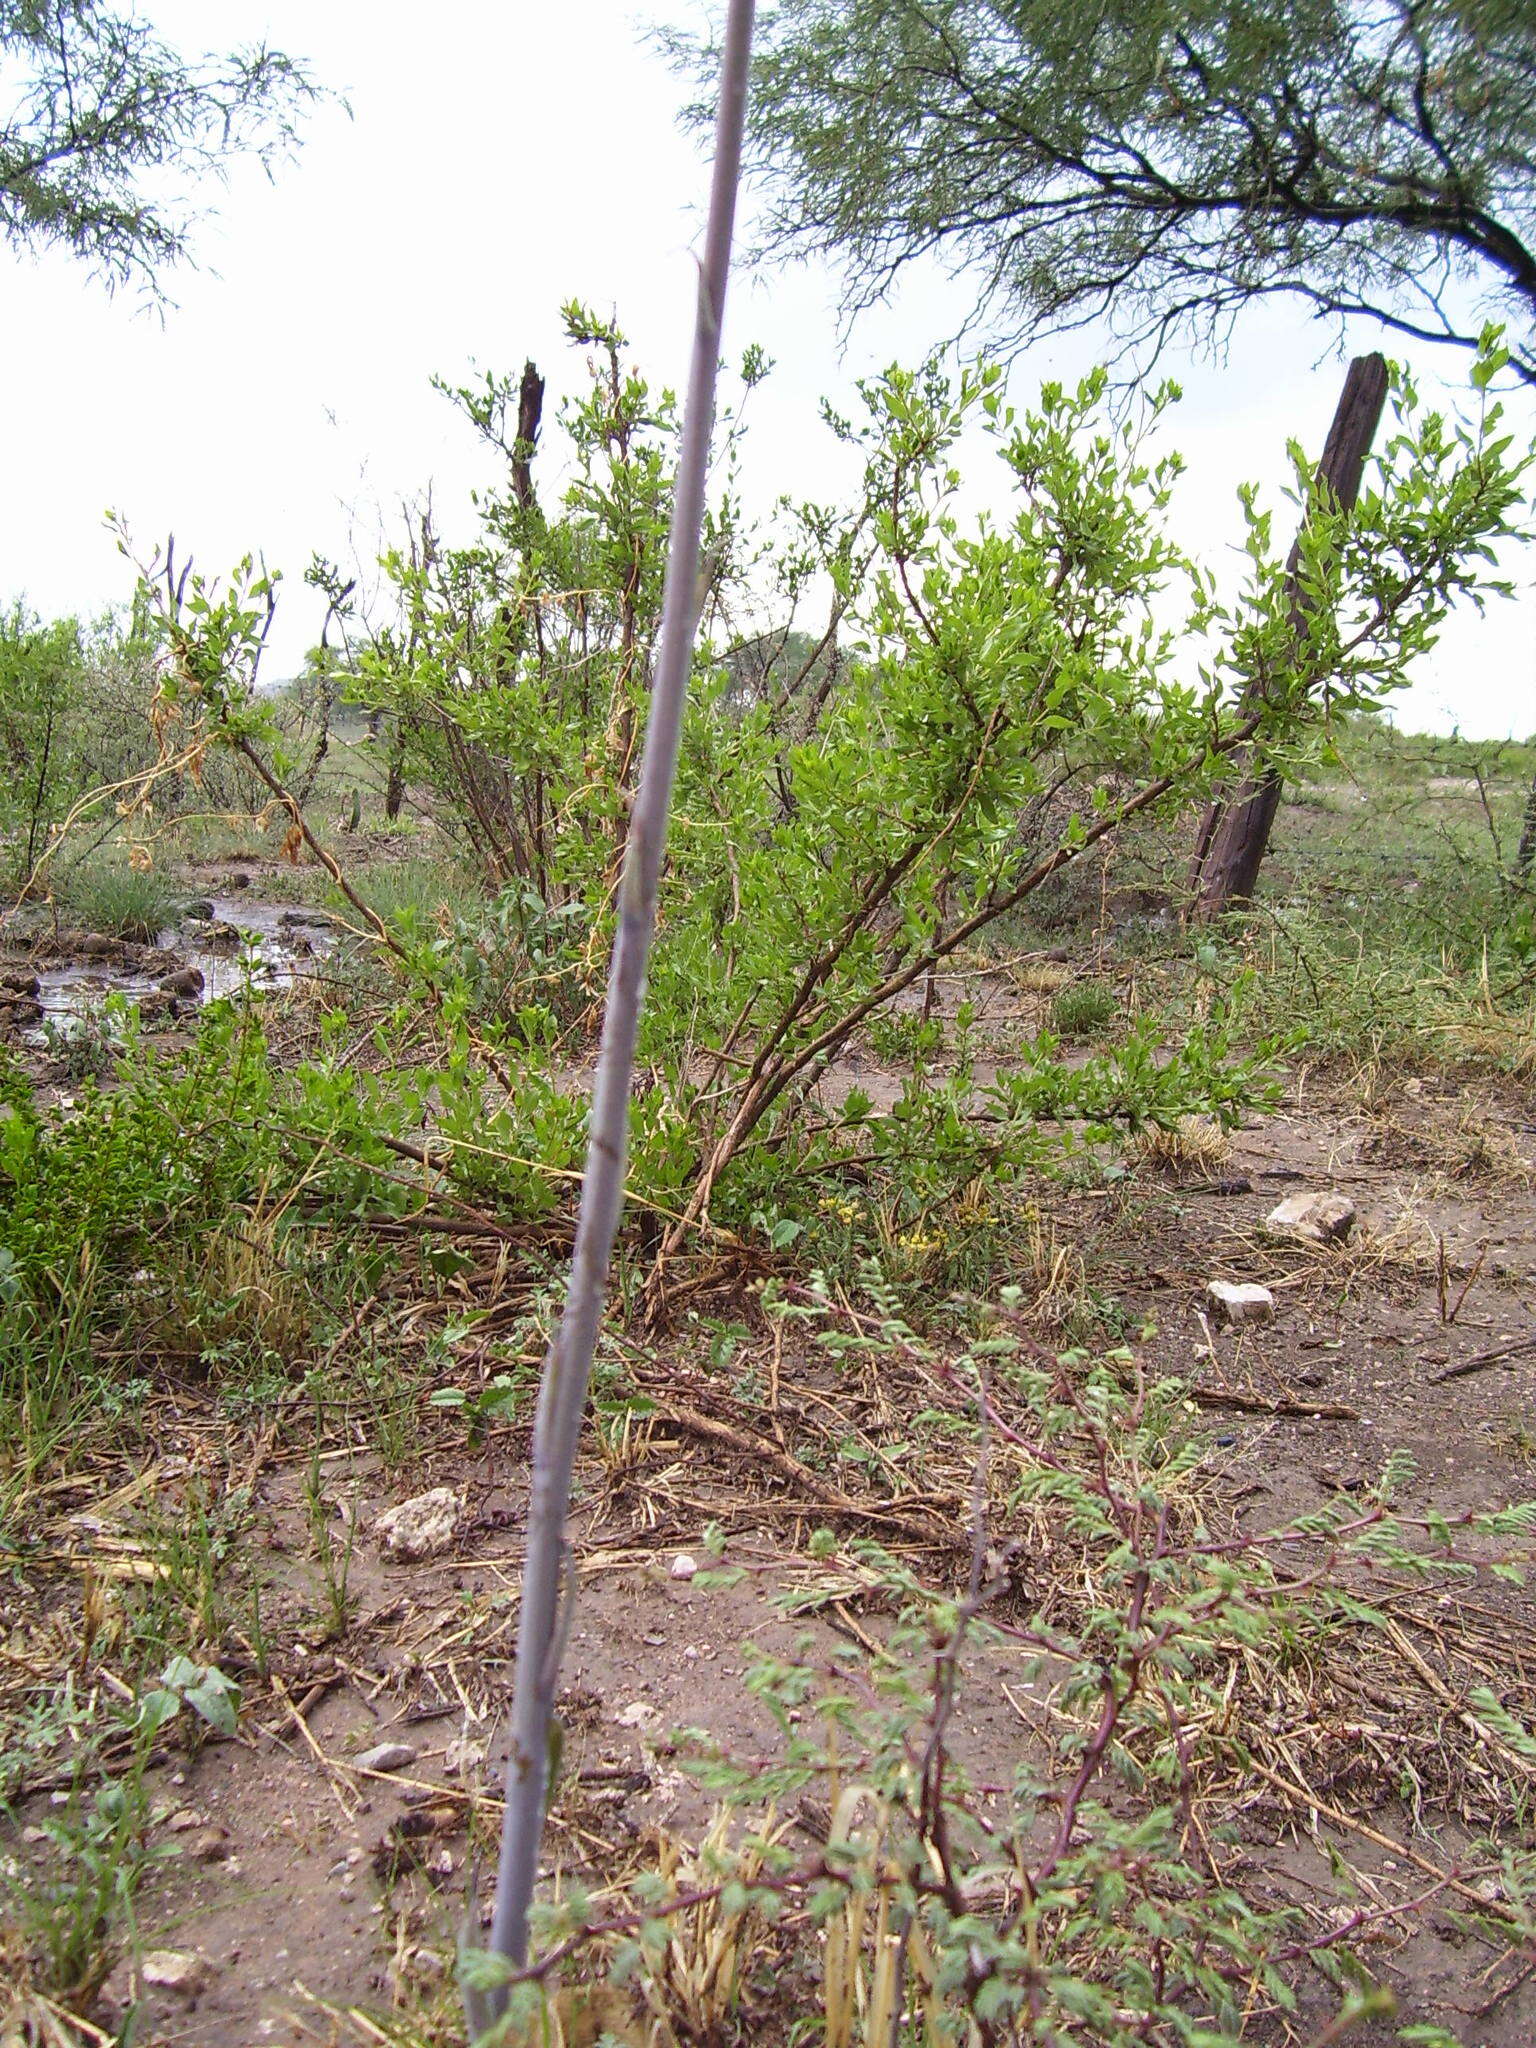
386, 1756
172, 1969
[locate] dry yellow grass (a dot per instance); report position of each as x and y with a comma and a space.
1039, 977
1195, 1146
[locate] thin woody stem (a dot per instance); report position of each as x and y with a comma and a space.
544, 1618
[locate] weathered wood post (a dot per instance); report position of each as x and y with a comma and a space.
1234, 833
1525, 856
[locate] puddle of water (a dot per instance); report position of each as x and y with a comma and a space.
277, 944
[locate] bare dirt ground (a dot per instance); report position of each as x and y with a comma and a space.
313, 1891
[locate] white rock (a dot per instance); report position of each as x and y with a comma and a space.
1244, 1307
1318, 1219
175, 1969
684, 1566
638, 1714
386, 1756
420, 1527
463, 1757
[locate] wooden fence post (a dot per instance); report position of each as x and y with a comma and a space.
1234, 832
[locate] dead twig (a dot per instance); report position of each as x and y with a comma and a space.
1479, 1359
837, 1502
1261, 1404
345, 1798
1315, 1803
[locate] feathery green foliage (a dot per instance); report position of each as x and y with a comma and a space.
1161, 165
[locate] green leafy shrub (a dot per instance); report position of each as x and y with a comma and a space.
990, 701
180, 1192
171, 1149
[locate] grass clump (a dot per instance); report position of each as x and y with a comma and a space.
120, 901
1084, 1009
421, 895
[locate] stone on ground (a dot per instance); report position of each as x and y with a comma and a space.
1243, 1306
175, 1969
1315, 1218
386, 1756
420, 1527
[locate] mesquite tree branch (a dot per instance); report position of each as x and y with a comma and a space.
544, 1617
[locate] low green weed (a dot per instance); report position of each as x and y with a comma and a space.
73, 1911
333, 1547
82, 1048
192, 1541
904, 1036
502, 1399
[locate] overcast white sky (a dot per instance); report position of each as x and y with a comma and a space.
500, 160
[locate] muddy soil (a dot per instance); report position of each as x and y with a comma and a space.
308, 1884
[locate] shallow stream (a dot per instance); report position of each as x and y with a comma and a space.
276, 944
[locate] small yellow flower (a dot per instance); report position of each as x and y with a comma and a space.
914, 1241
